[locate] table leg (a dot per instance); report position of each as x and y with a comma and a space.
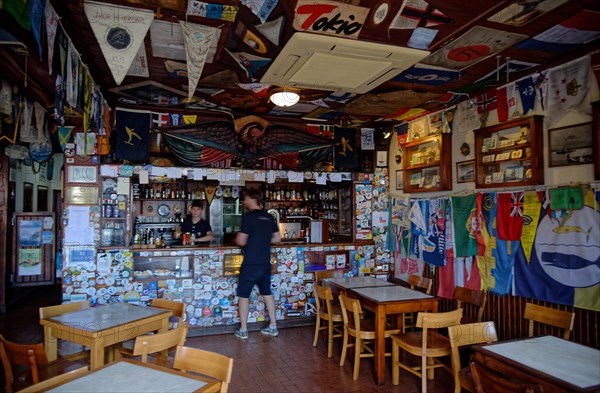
50, 344
97, 353
380, 345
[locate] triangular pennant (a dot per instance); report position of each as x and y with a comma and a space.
272, 30
51, 28
120, 31
197, 40
418, 13
258, 89
210, 193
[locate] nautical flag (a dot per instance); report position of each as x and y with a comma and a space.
346, 151
261, 8
120, 31
248, 62
197, 39
531, 216
487, 101
540, 82
36, 16
160, 119
466, 225
526, 94
510, 215
434, 241
565, 261
212, 11
427, 75
402, 133
568, 89
507, 101
418, 13
133, 134
176, 119
64, 135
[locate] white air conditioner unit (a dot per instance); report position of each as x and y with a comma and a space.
329, 63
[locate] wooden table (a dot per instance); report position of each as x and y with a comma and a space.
556, 364
345, 283
133, 376
103, 326
390, 300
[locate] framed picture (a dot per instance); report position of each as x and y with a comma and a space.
382, 158
570, 145
399, 180
465, 171
82, 174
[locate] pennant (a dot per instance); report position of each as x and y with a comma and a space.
434, 242
258, 89
507, 101
248, 62
367, 138
580, 28
345, 151
212, 11
64, 135
406, 114
487, 102
197, 40
329, 17
176, 119
27, 133
510, 215
19, 10
209, 191
190, 119
467, 118
466, 225
526, 94
133, 134
72, 72
248, 38
320, 102
139, 65
162, 32
401, 133
36, 16
568, 88
532, 208
51, 26
540, 82
261, 8
160, 119
120, 31
272, 30
418, 13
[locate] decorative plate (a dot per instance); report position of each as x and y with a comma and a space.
163, 210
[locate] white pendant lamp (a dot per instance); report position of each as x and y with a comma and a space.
285, 98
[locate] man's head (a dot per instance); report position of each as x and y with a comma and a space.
252, 198
196, 208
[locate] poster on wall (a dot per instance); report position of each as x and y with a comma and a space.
30, 233
30, 262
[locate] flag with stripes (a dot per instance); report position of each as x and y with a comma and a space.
418, 13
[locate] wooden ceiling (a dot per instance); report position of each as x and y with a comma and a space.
385, 99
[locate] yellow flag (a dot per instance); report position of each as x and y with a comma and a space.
531, 216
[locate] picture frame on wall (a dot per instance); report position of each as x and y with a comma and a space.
381, 158
465, 171
399, 180
570, 145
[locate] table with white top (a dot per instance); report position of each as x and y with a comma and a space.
133, 376
356, 282
102, 326
556, 364
390, 300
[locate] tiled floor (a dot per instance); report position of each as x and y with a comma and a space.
288, 363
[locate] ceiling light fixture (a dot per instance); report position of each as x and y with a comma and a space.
285, 98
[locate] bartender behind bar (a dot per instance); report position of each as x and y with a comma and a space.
194, 224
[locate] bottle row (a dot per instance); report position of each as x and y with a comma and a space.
286, 193
322, 211
167, 191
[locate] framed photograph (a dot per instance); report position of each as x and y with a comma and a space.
431, 177
382, 158
503, 156
465, 171
399, 180
488, 158
82, 174
570, 145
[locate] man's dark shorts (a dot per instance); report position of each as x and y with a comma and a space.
251, 275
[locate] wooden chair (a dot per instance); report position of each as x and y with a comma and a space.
363, 331
45, 385
549, 316
428, 344
159, 342
464, 335
53, 311
330, 273
178, 309
490, 381
26, 364
418, 283
470, 300
208, 363
330, 315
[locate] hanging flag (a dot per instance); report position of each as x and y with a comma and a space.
580, 28
507, 101
466, 225
258, 89
467, 118
133, 134
139, 65
176, 119
247, 38
367, 138
51, 27
160, 119
72, 72
247, 62
406, 114
36, 16
434, 242
19, 10
510, 215
426, 75
401, 133
197, 40
212, 11
418, 13
189, 119
565, 260
64, 135
526, 94
120, 31
568, 88
487, 102
532, 207
272, 30
346, 151
261, 8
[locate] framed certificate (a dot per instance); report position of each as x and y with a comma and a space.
81, 195
82, 174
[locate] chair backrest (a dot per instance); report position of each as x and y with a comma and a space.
323, 298
468, 334
321, 274
465, 296
46, 384
436, 320
351, 313
549, 316
152, 343
208, 363
31, 356
52, 311
490, 381
421, 283
178, 308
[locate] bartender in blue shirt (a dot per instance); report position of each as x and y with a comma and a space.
196, 225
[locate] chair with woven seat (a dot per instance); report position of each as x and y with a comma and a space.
491, 381
160, 342
464, 335
418, 283
66, 349
208, 363
330, 314
549, 316
363, 331
472, 302
26, 364
428, 344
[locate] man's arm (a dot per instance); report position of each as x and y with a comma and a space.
276, 237
241, 239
